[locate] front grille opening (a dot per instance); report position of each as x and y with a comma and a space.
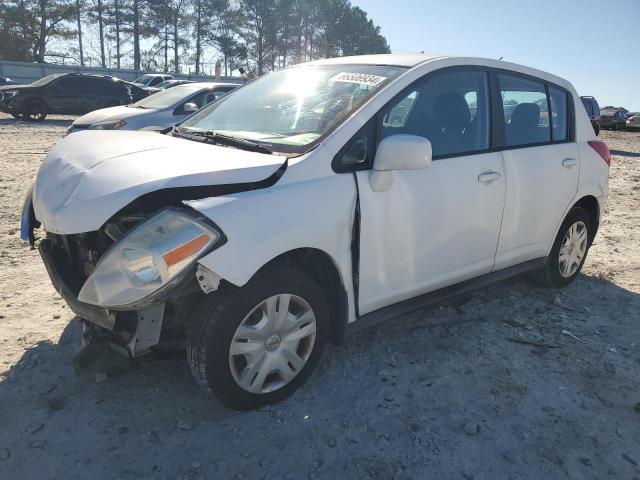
77, 255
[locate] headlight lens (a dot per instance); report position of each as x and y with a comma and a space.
148, 258
108, 125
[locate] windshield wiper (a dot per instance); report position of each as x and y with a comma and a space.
228, 140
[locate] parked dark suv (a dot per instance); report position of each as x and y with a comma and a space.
593, 110
68, 94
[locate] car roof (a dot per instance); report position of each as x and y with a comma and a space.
392, 59
411, 60
208, 84
87, 75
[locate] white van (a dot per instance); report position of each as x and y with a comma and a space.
315, 201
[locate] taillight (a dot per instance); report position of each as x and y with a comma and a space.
602, 149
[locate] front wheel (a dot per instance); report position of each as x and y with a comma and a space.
569, 250
257, 345
35, 110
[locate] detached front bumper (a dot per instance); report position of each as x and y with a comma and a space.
91, 313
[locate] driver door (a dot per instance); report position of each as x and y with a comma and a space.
440, 225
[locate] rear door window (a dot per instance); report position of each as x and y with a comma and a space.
526, 112
97, 86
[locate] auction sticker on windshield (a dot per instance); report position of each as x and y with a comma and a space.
359, 78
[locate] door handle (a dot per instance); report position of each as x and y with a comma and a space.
569, 162
488, 177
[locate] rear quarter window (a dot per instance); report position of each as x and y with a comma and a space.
559, 114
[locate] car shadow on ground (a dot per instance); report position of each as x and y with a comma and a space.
407, 387
47, 122
623, 153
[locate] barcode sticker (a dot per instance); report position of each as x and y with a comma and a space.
359, 78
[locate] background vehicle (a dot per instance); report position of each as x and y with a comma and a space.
158, 111
613, 119
593, 110
137, 92
302, 207
172, 83
633, 121
152, 79
68, 94
6, 81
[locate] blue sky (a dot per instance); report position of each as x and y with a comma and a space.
592, 43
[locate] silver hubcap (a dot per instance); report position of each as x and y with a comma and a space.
573, 249
272, 343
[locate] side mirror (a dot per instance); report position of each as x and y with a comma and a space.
403, 152
398, 152
190, 107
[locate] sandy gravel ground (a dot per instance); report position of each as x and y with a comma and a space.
444, 393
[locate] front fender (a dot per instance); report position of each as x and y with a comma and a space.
263, 224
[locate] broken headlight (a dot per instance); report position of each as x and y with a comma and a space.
148, 258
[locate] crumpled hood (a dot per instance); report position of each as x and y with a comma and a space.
111, 113
90, 175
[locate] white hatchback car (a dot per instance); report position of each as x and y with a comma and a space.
314, 201
155, 112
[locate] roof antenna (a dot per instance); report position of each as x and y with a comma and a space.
500, 58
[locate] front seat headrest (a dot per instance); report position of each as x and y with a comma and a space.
452, 112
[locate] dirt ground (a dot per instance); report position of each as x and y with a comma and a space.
444, 393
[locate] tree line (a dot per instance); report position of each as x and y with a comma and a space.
172, 35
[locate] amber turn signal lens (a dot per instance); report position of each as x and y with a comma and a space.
185, 250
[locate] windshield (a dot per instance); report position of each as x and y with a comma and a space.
167, 98
166, 83
292, 109
45, 80
143, 80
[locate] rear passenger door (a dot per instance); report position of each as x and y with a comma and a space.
95, 92
62, 96
541, 162
436, 226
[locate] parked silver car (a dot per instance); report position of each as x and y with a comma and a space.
156, 112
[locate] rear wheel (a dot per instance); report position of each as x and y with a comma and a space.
35, 110
569, 250
257, 345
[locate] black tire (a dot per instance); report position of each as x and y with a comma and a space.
549, 275
215, 322
35, 110
597, 129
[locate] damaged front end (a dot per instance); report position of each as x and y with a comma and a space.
119, 242
133, 282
